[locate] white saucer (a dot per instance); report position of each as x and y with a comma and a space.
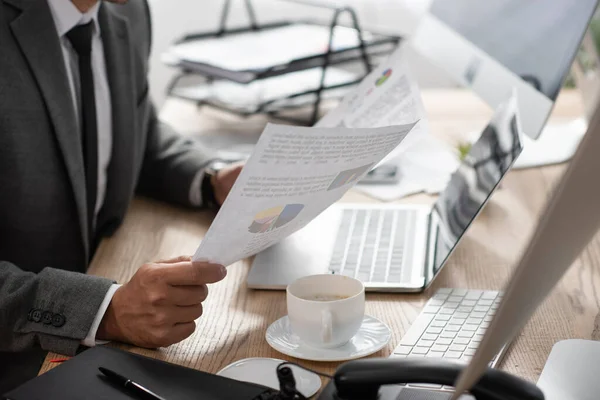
372, 336
263, 372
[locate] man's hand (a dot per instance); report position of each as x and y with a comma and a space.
158, 306
223, 181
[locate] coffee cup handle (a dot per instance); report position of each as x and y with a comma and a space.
326, 326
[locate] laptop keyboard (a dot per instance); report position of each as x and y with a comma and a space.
451, 325
370, 245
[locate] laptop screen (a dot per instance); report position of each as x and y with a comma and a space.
535, 39
469, 188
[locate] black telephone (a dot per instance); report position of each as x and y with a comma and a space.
378, 379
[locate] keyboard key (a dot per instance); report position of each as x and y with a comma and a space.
443, 341
413, 335
460, 340
448, 335
485, 303
425, 343
473, 294
433, 330
492, 312
488, 318
457, 321
442, 317
472, 345
451, 304
438, 324
453, 328
489, 295
484, 325
452, 354
456, 299
474, 321
472, 328
465, 334
470, 352
435, 354
481, 309
477, 338
469, 303
458, 347
459, 292
446, 311
428, 336
403, 350
464, 315
466, 358
476, 314
419, 350
439, 347
431, 309
464, 309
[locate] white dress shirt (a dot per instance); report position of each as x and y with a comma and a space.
66, 17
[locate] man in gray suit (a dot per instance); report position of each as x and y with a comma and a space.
78, 137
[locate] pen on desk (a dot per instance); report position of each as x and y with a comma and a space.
140, 391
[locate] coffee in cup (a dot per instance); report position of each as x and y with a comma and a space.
326, 310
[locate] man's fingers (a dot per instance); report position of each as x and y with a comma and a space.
185, 314
174, 260
188, 273
182, 331
188, 295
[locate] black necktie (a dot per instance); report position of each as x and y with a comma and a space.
81, 40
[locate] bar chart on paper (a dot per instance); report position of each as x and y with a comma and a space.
274, 218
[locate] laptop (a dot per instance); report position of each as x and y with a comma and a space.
397, 247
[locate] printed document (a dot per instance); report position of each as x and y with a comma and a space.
293, 175
389, 95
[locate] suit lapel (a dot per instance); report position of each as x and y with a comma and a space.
36, 34
119, 64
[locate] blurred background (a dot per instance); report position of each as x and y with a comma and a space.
173, 19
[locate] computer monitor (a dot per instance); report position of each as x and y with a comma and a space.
493, 46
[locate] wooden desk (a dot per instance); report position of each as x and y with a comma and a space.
235, 319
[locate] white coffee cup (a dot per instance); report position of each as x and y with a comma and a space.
326, 310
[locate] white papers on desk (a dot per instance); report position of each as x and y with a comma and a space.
260, 50
426, 166
293, 175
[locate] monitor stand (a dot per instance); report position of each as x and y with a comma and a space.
556, 144
572, 371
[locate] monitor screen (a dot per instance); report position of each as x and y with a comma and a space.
469, 188
495, 47
535, 39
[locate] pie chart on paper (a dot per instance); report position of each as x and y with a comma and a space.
384, 77
275, 217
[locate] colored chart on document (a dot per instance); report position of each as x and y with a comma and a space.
274, 218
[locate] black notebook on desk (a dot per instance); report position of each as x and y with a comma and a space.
79, 378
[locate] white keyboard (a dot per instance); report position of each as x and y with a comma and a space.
451, 325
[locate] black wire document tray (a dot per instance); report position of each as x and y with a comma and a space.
244, 55
270, 68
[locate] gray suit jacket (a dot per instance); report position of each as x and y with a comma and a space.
46, 300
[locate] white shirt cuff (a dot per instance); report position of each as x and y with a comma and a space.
90, 339
196, 189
